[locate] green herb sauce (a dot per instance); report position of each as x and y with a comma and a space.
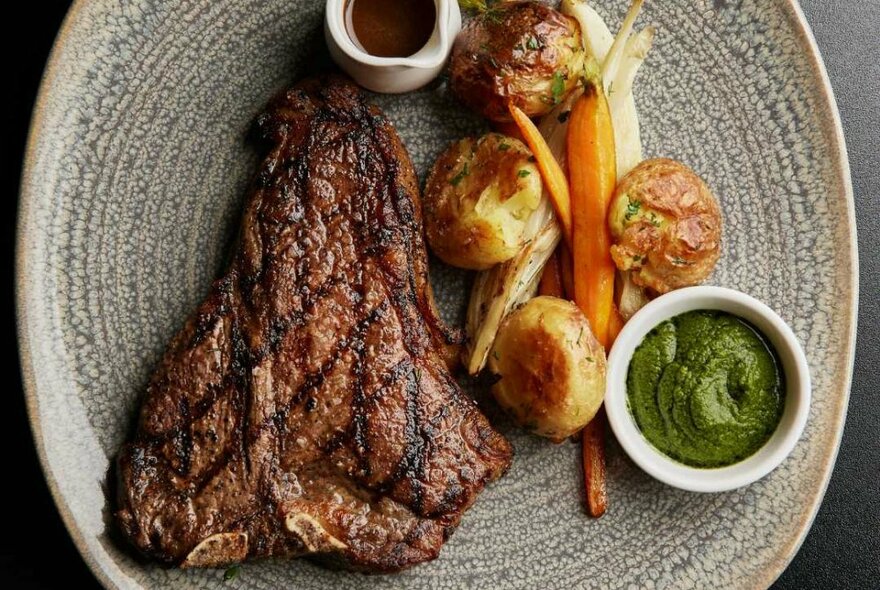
706, 389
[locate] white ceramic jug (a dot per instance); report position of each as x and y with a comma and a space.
392, 74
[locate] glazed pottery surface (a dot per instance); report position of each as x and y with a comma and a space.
136, 172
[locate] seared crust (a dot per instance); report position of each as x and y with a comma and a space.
306, 407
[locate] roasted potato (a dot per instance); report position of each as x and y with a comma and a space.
520, 52
477, 200
551, 368
666, 226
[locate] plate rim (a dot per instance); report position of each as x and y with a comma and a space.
48, 81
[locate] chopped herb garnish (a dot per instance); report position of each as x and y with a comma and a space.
532, 43
231, 572
485, 7
503, 147
632, 209
456, 180
495, 354
610, 88
493, 63
680, 261
557, 87
581, 335
475, 5
493, 15
523, 173
654, 221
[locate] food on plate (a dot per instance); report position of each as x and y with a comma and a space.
615, 324
551, 171
666, 226
620, 58
521, 53
629, 297
567, 270
706, 389
551, 368
306, 408
551, 283
499, 290
478, 201
580, 164
592, 171
593, 459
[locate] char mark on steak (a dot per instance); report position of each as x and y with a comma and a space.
307, 408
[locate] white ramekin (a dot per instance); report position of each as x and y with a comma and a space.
797, 390
392, 74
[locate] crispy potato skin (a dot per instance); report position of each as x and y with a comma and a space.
510, 54
551, 366
666, 226
477, 200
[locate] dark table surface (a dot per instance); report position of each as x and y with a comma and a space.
843, 547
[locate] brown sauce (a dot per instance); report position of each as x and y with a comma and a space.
390, 28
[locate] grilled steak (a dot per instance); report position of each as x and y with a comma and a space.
307, 408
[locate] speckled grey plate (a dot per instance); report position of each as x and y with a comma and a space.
136, 170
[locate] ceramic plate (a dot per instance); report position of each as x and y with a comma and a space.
136, 170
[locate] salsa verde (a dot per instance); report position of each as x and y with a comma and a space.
706, 389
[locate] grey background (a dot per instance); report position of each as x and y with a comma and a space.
843, 548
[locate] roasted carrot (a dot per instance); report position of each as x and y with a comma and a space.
551, 278
567, 268
592, 171
551, 172
615, 324
593, 436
